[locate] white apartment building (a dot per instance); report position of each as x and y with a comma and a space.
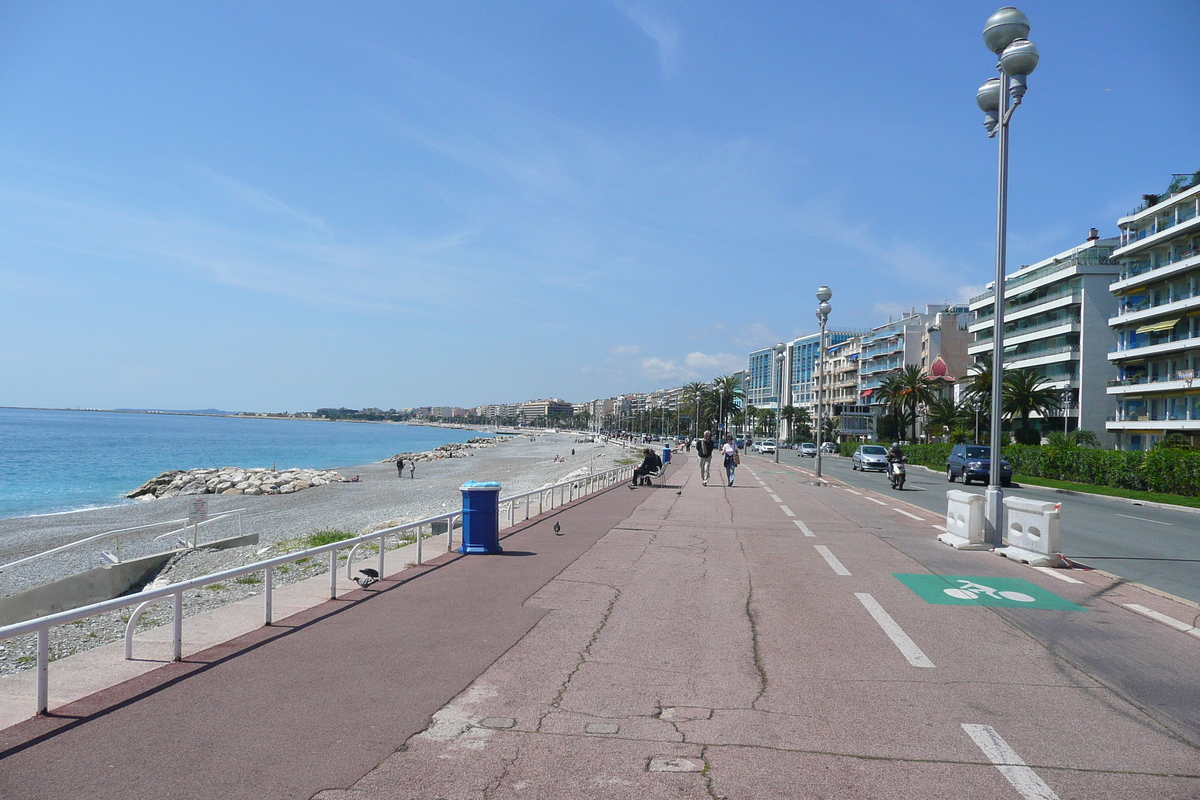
855, 420
1056, 316
1156, 322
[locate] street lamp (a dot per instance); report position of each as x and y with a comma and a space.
1004, 34
823, 295
778, 400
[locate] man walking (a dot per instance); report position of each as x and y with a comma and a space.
704, 451
400, 467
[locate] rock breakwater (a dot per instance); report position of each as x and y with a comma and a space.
452, 450
233, 480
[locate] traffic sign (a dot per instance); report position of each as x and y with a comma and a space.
963, 590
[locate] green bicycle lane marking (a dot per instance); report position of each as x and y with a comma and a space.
966, 590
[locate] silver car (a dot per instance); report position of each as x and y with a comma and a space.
808, 450
869, 457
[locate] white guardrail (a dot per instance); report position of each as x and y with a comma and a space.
517, 508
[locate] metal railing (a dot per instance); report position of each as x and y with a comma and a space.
548, 497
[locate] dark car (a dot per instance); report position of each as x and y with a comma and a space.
973, 462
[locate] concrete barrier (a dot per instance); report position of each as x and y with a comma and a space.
1032, 532
964, 521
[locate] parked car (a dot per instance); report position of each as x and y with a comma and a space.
766, 446
869, 457
830, 447
808, 450
973, 462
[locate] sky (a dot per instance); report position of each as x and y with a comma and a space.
279, 206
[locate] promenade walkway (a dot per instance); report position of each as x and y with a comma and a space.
682, 642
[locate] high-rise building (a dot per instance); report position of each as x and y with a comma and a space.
1056, 316
1157, 321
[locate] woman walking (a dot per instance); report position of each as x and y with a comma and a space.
731, 456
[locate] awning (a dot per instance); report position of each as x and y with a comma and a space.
867, 393
1165, 325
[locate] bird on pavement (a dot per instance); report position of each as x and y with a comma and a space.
371, 576
557, 529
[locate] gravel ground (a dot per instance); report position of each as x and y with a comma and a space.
282, 522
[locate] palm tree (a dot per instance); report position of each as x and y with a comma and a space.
914, 389
889, 393
729, 391
690, 399
943, 414
788, 415
1026, 392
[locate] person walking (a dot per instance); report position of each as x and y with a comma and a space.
399, 467
731, 456
412, 470
704, 451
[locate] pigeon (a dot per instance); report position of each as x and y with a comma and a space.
557, 529
680, 491
371, 577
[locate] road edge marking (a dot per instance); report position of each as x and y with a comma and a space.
831, 559
907, 647
1011, 766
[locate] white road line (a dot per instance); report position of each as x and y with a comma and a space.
787, 511
800, 524
907, 647
941, 528
1164, 619
774, 497
831, 559
851, 491
1011, 766
873, 500
905, 513
1057, 574
1143, 519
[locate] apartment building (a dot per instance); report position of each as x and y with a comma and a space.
803, 355
1156, 321
919, 339
855, 420
1056, 317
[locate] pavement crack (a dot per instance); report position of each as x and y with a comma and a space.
498, 781
556, 703
758, 662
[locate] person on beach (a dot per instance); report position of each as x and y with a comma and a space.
412, 470
731, 456
650, 462
399, 467
704, 451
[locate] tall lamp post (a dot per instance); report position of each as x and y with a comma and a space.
823, 309
779, 401
1004, 34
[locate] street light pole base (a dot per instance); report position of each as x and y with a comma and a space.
993, 516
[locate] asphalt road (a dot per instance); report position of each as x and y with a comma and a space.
1157, 547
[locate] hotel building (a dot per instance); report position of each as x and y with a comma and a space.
1156, 322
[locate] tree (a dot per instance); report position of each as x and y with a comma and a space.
729, 392
1026, 392
888, 392
913, 390
943, 415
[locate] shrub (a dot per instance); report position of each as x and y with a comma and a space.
326, 537
1027, 436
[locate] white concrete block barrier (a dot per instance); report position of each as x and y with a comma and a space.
1032, 532
964, 521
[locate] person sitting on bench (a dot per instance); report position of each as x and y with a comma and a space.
651, 463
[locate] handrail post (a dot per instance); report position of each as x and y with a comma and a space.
43, 669
177, 632
269, 579
419, 537
382, 545
333, 574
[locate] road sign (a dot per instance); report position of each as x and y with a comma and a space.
963, 590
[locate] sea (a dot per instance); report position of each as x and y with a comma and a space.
55, 461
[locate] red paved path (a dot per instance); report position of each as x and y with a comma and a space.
690, 645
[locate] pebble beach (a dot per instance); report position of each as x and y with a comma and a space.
379, 498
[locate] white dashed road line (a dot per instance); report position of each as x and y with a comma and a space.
905, 513
800, 524
1054, 573
1164, 619
880, 502
774, 497
787, 511
1142, 519
831, 559
851, 491
907, 647
941, 528
1011, 766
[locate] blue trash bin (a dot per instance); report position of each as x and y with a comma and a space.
666, 454
481, 517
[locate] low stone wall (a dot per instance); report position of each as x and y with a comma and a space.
232, 480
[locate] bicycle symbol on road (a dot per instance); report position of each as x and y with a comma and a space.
969, 590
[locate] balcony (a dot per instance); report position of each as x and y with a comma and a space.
1166, 344
1135, 269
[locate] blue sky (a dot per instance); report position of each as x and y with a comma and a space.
278, 206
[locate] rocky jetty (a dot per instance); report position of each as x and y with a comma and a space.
452, 450
233, 480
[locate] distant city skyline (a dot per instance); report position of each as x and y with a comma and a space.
257, 207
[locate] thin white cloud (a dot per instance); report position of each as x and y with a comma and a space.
260, 200
626, 350
754, 336
659, 370
717, 363
662, 31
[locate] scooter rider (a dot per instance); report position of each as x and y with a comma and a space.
895, 453
895, 458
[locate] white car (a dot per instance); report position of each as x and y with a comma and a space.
766, 446
808, 450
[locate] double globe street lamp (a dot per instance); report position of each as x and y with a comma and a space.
779, 357
823, 309
1005, 35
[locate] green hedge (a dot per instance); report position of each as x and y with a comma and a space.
1165, 470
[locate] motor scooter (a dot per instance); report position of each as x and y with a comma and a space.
896, 473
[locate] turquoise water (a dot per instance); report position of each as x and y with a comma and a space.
52, 461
